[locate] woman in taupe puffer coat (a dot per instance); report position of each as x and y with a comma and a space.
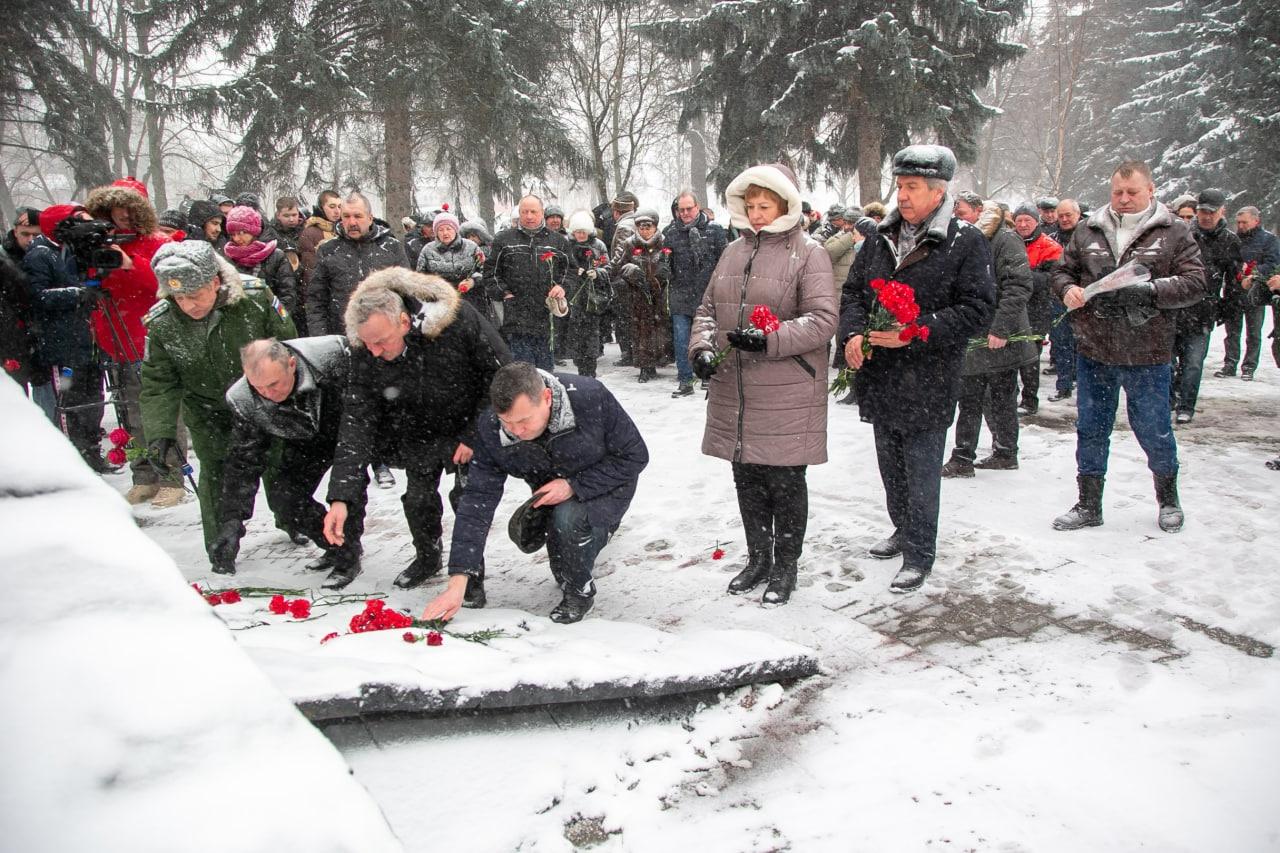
767, 407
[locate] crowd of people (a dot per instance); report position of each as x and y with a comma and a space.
283, 348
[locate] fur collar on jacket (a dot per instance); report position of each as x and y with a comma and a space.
990, 220
432, 302
141, 214
773, 176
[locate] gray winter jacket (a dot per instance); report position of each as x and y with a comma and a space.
769, 408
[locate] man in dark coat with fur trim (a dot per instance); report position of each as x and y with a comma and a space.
908, 389
422, 360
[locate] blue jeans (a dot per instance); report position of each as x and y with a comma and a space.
1146, 390
573, 545
681, 326
534, 350
1189, 350
1062, 351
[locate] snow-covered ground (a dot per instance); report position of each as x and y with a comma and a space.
1106, 689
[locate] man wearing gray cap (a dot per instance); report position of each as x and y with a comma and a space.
908, 384
206, 313
1048, 207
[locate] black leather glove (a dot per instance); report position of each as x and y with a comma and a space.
704, 365
226, 544
162, 453
89, 296
748, 340
1142, 295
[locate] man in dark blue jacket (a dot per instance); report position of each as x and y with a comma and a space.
696, 244
570, 440
1260, 252
908, 389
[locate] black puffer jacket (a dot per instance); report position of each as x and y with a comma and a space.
341, 264
59, 316
515, 268
308, 420
427, 400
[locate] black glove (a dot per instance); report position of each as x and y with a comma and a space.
748, 340
226, 544
704, 365
1142, 295
89, 296
163, 456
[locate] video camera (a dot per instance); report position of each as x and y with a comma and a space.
90, 240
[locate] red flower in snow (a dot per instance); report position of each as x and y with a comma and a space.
300, 608
278, 605
197, 588
119, 436
117, 456
213, 599
410, 637
231, 596
332, 635
434, 638
717, 554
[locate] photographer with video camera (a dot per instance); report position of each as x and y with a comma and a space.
60, 308
129, 288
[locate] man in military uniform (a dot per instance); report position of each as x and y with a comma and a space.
195, 332
291, 391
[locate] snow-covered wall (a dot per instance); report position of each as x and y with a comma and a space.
130, 719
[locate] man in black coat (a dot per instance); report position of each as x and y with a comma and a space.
528, 265
581, 454
362, 247
1220, 250
696, 244
422, 360
291, 392
908, 389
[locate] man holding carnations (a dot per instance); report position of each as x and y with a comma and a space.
908, 370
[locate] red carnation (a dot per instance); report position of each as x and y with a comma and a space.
591, 253
410, 637
434, 638
922, 332
214, 599
373, 605
717, 554
637, 252
300, 608
197, 588
278, 605
546, 256
665, 250
11, 365
444, 206
119, 436
231, 596
765, 320
117, 456
359, 623
332, 635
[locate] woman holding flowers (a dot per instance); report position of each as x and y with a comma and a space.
761, 337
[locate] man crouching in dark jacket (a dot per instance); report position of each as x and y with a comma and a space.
570, 440
421, 363
292, 391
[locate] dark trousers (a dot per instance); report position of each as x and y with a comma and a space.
74, 402
302, 467
423, 509
1146, 390
911, 471
1062, 340
623, 325
773, 501
534, 350
997, 394
573, 545
1250, 318
1030, 376
1189, 350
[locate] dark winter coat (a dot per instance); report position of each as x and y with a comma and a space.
17, 343
286, 238
915, 388
515, 269
276, 273
11, 247
695, 251
1043, 255
768, 408
1013, 290
589, 298
191, 363
60, 319
440, 382
590, 441
1220, 250
456, 263
1106, 332
341, 264
308, 420
1263, 248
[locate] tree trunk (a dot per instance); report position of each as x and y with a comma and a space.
398, 145
697, 138
153, 122
7, 208
486, 188
870, 159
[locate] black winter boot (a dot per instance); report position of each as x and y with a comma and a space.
424, 565
474, 597
759, 566
1170, 510
345, 569
1088, 509
957, 467
887, 548
782, 582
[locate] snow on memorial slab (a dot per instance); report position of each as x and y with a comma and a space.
522, 660
132, 720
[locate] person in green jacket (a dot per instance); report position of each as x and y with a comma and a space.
204, 315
